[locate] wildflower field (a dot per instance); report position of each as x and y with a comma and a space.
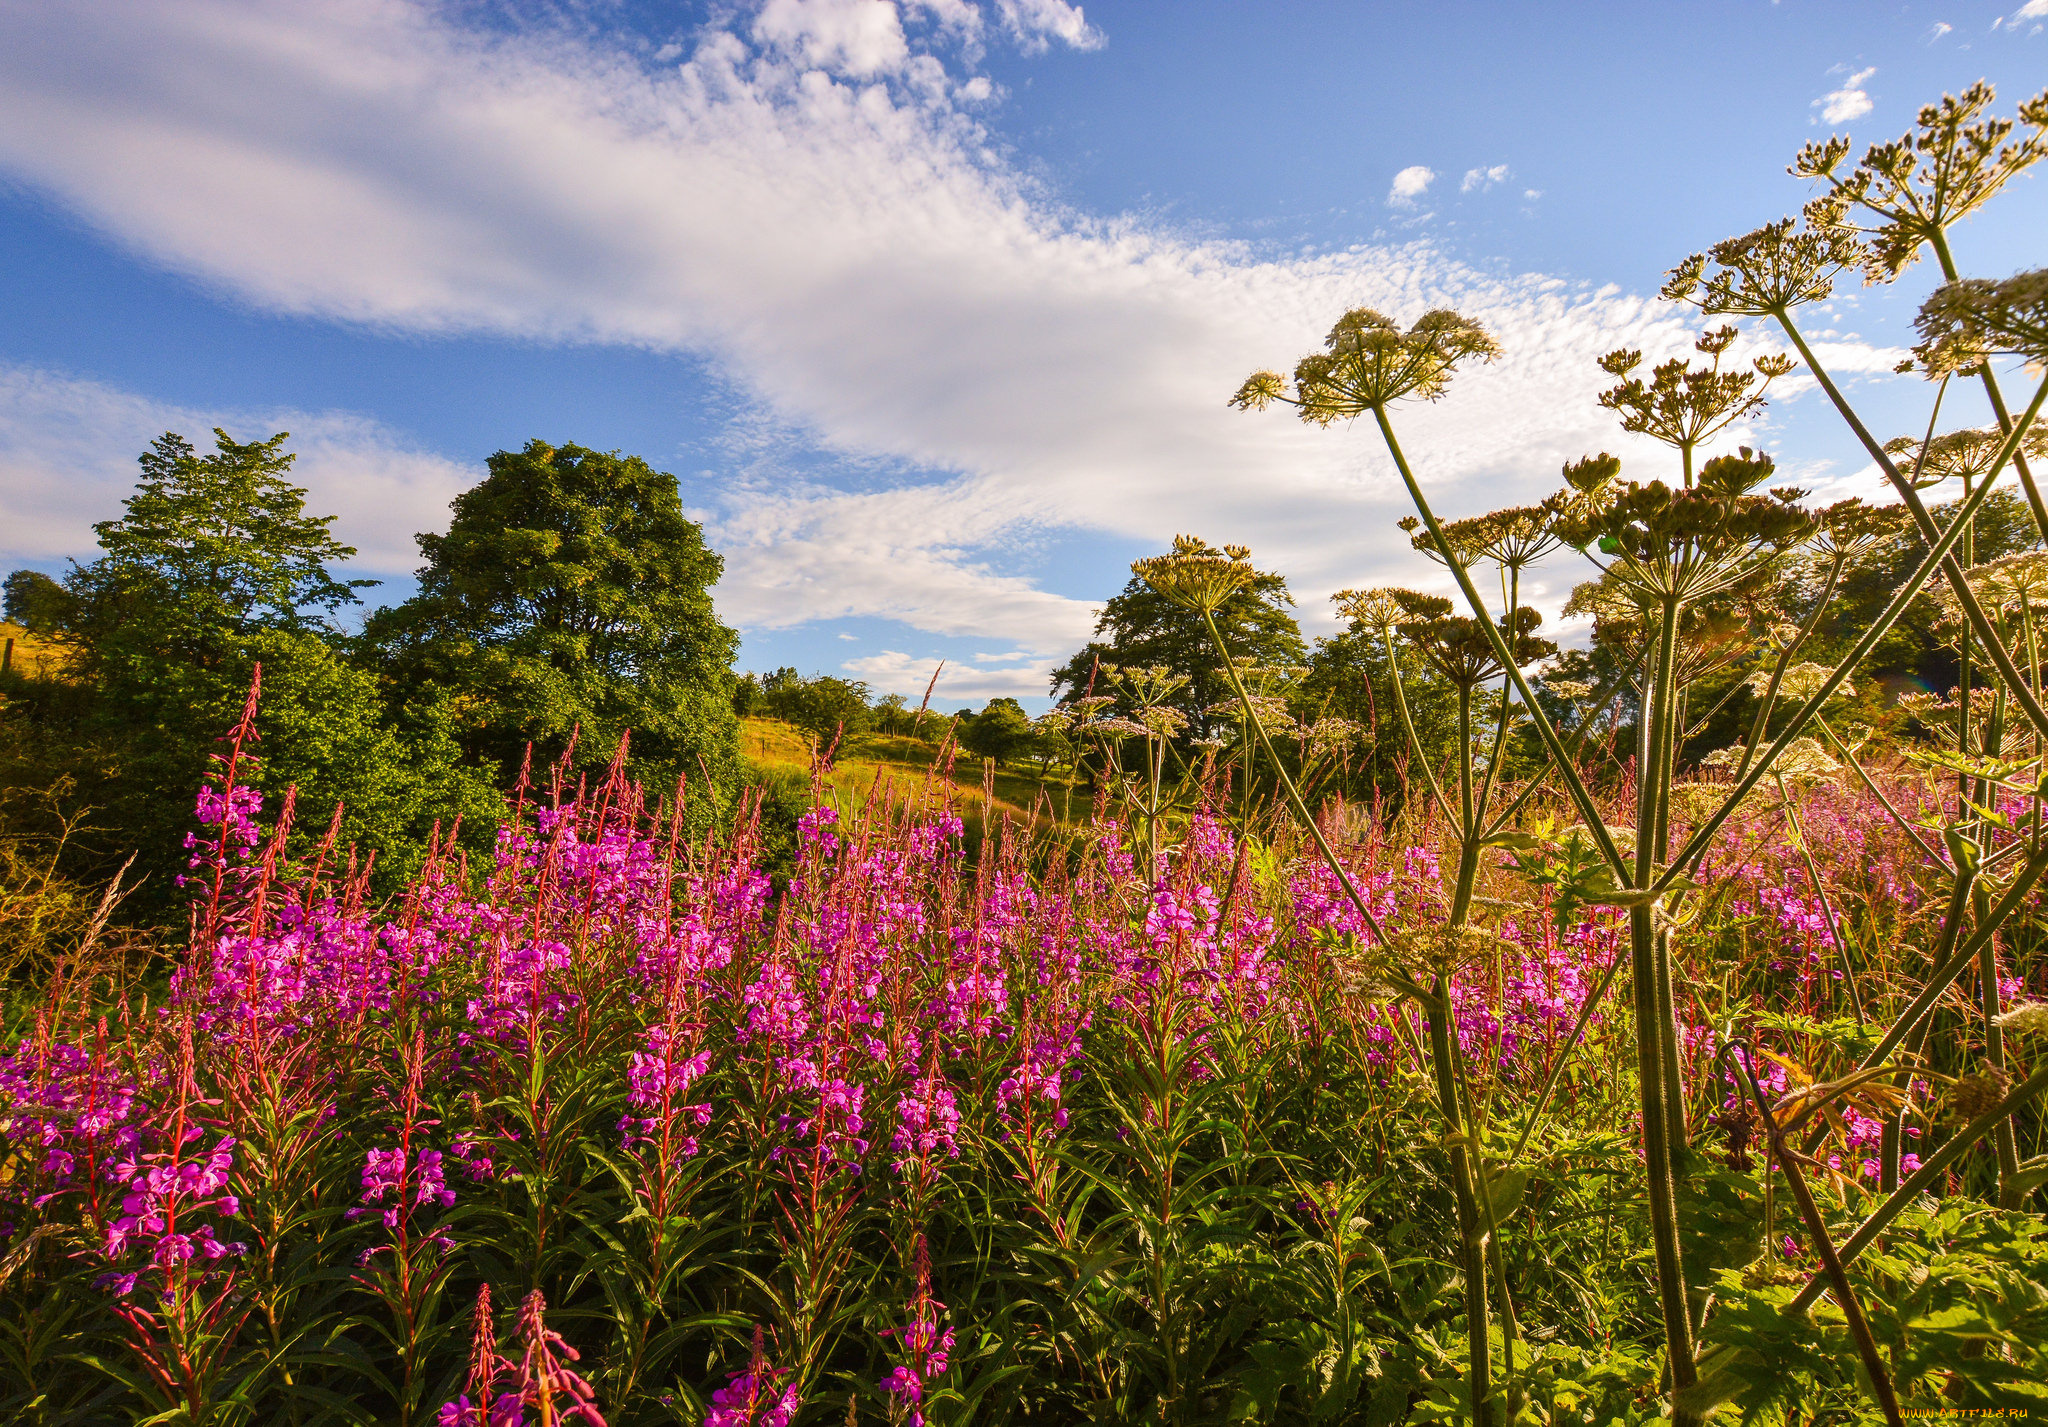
1590, 1076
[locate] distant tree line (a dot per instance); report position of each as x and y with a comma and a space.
828, 708
1342, 682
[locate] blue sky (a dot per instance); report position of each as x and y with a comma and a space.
932, 306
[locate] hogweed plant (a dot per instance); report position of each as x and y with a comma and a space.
1688, 568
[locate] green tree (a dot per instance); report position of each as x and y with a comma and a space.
892, 714
825, 707
211, 548
570, 599
1002, 731
2003, 525
1348, 676
1140, 627
36, 602
746, 692
216, 567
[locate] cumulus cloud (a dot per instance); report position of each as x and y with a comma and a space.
67, 459
827, 222
1481, 179
1035, 24
1839, 106
858, 37
1410, 184
979, 677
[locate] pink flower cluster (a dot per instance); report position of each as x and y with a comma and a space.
166, 1193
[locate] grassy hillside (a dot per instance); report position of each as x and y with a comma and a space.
33, 658
875, 763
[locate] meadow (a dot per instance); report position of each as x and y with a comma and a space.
1661, 1040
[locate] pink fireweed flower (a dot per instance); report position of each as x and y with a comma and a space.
756, 1395
166, 1193
73, 1105
658, 1082
935, 841
814, 832
543, 1373
929, 1123
504, 1412
395, 1184
927, 1347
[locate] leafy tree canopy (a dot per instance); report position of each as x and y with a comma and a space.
571, 596
1348, 675
1141, 627
215, 567
824, 706
1002, 731
211, 548
36, 602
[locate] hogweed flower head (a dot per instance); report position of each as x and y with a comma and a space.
2013, 580
1966, 454
1798, 684
1377, 610
1196, 576
1804, 761
1965, 323
1765, 271
1369, 362
1949, 166
1849, 527
1683, 404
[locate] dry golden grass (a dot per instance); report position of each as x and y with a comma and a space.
886, 765
33, 658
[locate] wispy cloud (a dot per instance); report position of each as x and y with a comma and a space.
1410, 184
1940, 28
821, 215
1851, 101
1480, 179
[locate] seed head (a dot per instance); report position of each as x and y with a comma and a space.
1972, 1095
1197, 577
2028, 1018
1377, 610
1766, 270
1963, 324
1367, 361
1906, 192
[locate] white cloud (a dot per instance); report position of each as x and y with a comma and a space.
1410, 184
67, 459
1035, 23
980, 677
835, 236
1839, 106
1941, 27
858, 37
2032, 10
1480, 179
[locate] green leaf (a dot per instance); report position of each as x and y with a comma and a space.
1506, 1185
